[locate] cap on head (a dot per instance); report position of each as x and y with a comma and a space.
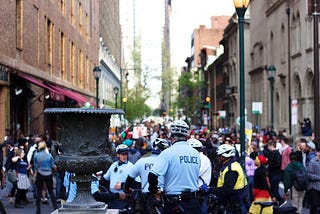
122, 148
195, 143
226, 151
263, 160
179, 128
311, 145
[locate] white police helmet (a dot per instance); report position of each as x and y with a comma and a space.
122, 148
160, 144
195, 143
179, 127
226, 150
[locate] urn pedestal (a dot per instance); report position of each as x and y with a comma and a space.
83, 134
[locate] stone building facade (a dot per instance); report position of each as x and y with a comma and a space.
267, 33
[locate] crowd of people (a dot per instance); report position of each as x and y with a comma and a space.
176, 170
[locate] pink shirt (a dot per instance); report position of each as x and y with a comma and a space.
285, 156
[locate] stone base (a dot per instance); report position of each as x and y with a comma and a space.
83, 211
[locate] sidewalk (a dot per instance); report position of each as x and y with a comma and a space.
29, 208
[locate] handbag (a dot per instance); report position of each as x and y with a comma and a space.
12, 175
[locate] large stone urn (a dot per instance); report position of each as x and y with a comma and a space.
83, 134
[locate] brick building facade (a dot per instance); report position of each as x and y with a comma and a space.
47, 52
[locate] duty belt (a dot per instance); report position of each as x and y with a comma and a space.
184, 196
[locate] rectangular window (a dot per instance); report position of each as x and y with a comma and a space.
72, 12
87, 73
72, 62
80, 18
19, 24
80, 69
87, 28
49, 45
62, 7
62, 55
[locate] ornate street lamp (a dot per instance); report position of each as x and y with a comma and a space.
124, 100
97, 75
116, 92
208, 99
271, 74
241, 7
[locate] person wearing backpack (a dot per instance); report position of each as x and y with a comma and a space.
295, 179
313, 171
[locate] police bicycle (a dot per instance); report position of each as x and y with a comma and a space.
214, 205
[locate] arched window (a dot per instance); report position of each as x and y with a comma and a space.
283, 43
293, 34
298, 32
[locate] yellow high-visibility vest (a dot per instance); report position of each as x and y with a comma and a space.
241, 181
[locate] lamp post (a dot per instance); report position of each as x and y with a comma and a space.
315, 15
241, 7
116, 91
289, 67
97, 75
124, 100
208, 99
271, 73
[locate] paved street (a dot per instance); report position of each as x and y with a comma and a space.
47, 208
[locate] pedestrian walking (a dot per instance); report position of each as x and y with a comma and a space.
180, 166
313, 171
296, 195
23, 182
44, 166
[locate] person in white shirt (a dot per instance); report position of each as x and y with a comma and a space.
205, 172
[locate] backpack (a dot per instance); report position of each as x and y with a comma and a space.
300, 179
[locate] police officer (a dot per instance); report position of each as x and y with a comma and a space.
142, 168
180, 165
117, 174
231, 186
205, 173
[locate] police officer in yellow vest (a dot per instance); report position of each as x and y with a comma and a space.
231, 186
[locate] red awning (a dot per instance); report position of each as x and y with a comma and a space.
54, 94
71, 94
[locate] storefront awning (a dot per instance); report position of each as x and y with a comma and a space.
58, 93
71, 94
54, 94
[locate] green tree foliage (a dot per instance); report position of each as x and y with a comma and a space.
189, 87
135, 106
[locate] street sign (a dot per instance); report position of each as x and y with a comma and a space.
222, 114
257, 107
